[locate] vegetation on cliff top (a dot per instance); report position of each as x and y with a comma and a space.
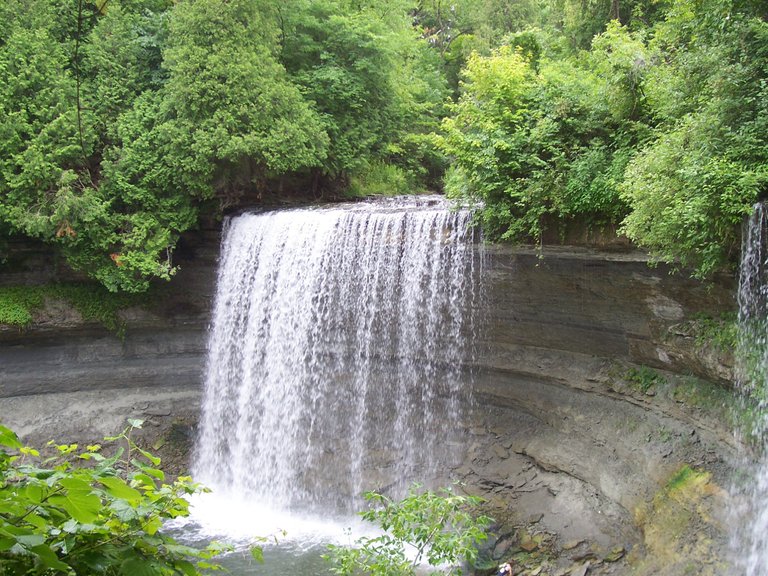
122, 120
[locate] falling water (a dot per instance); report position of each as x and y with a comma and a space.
753, 380
336, 351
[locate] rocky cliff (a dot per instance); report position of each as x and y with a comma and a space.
590, 391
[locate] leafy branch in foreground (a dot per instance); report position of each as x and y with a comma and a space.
84, 512
433, 527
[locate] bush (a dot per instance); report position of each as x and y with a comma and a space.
84, 512
546, 139
434, 526
381, 179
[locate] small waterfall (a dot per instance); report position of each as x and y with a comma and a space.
753, 381
336, 351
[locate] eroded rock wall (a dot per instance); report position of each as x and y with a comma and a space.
558, 436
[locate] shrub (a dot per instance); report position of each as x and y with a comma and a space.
438, 527
84, 512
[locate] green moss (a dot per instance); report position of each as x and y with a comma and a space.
682, 477
96, 303
680, 525
644, 378
721, 332
18, 304
721, 402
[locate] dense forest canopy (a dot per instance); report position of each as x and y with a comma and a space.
122, 120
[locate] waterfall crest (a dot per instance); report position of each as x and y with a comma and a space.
336, 350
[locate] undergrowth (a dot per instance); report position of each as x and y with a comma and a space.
721, 332
18, 304
644, 378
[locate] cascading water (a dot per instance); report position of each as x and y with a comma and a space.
752, 354
336, 351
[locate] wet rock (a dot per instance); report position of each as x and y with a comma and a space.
572, 544
529, 545
500, 451
581, 570
158, 411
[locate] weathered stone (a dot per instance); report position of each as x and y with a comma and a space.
572, 544
581, 570
566, 438
615, 555
500, 451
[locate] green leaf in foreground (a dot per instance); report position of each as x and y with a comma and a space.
70, 515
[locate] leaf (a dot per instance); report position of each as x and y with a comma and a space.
186, 568
119, 489
75, 485
42, 524
6, 543
82, 506
152, 525
8, 438
159, 474
154, 459
34, 493
144, 480
49, 559
136, 566
257, 554
124, 511
135, 422
30, 540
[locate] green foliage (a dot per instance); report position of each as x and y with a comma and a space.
96, 510
60, 106
17, 303
661, 125
436, 527
121, 121
94, 302
549, 140
373, 82
341, 60
691, 187
644, 378
381, 179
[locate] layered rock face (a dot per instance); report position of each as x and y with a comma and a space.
591, 393
70, 378
563, 434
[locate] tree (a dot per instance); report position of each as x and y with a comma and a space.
535, 138
692, 185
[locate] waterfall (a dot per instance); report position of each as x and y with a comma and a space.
752, 378
336, 351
